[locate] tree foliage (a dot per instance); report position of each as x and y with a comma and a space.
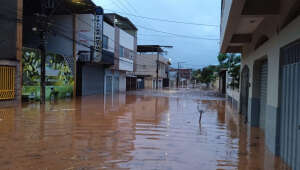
205, 75
232, 63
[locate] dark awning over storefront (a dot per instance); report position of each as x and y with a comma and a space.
61, 7
149, 48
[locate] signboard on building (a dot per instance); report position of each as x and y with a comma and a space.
90, 30
98, 33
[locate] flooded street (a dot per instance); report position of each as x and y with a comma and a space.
142, 130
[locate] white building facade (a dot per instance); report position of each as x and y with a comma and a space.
119, 37
267, 34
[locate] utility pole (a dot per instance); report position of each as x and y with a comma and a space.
157, 69
43, 24
43, 28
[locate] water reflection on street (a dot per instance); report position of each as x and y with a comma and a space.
131, 132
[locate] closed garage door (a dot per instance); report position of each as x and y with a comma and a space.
92, 80
116, 84
108, 83
290, 105
263, 93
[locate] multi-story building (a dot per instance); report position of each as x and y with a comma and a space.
74, 48
120, 37
151, 66
182, 77
267, 34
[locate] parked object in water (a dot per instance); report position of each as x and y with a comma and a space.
200, 112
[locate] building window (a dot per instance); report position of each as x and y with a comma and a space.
121, 51
131, 54
105, 42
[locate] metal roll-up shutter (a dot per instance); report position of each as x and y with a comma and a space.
92, 80
289, 142
263, 93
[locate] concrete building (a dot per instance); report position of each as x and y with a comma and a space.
11, 12
267, 34
173, 78
92, 59
183, 77
120, 37
149, 65
75, 34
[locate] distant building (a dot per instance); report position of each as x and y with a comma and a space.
182, 77
147, 67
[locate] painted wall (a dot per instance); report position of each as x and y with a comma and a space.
85, 31
126, 40
109, 31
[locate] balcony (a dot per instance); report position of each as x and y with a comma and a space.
107, 57
240, 19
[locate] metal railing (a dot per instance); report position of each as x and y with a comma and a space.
7, 82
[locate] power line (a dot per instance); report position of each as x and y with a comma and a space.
179, 35
169, 36
165, 20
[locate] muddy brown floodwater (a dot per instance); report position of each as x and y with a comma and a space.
133, 131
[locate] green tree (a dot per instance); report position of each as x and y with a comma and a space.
232, 63
205, 75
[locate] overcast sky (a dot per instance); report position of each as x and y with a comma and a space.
194, 52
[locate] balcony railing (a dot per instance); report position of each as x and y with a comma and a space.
107, 57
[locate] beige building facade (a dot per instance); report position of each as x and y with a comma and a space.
268, 36
146, 66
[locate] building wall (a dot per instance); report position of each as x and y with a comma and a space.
122, 81
126, 40
109, 31
148, 83
271, 51
62, 41
146, 65
85, 31
8, 32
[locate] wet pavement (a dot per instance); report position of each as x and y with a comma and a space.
143, 130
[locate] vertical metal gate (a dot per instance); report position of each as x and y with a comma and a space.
263, 93
290, 106
92, 80
7, 82
108, 82
116, 84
